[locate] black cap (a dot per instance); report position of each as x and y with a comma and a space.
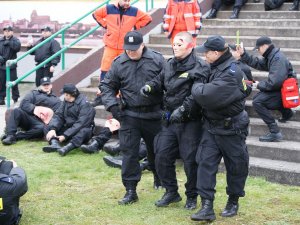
70, 89
213, 43
133, 40
8, 27
46, 28
45, 80
262, 41
233, 47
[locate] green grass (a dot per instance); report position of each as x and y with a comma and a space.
80, 189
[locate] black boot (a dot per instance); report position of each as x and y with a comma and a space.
145, 165
9, 140
287, 117
206, 213
92, 148
191, 203
295, 6
115, 161
212, 14
53, 147
97, 101
168, 198
235, 13
232, 207
274, 135
66, 149
129, 198
112, 149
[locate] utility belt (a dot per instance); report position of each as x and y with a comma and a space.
144, 109
225, 123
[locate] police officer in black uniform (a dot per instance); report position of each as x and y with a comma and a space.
139, 117
13, 185
73, 122
180, 134
9, 46
224, 131
237, 6
27, 116
43, 53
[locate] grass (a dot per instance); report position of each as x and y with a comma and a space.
80, 189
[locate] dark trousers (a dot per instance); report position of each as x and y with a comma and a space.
210, 152
30, 123
42, 72
178, 139
14, 89
131, 131
263, 102
236, 3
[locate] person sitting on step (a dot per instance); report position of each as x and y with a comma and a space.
237, 5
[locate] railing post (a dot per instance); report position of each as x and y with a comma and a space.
146, 5
7, 85
152, 4
63, 53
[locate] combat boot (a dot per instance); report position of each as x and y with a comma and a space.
212, 14
66, 149
112, 149
206, 213
91, 148
191, 203
97, 101
111, 161
9, 140
53, 147
232, 207
274, 135
235, 13
295, 6
168, 198
129, 198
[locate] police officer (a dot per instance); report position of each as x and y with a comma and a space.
9, 46
269, 95
36, 110
73, 122
237, 6
139, 117
43, 53
13, 185
182, 119
224, 130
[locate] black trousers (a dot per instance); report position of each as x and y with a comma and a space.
42, 72
210, 152
263, 102
178, 139
32, 125
236, 3
131, 131
14, 89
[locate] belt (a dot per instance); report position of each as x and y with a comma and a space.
144, 109
226, 123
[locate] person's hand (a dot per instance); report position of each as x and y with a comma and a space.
50, 135
52, 68
61, 138
145, 91
240, 49
177, 115
116, 112
254, 85
98, 93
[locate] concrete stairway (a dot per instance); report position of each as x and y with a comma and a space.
277, 162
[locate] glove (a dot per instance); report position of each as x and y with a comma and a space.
177, 115
116, 112
6, 42
145, 91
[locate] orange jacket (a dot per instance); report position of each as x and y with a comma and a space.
116, 29
182, 14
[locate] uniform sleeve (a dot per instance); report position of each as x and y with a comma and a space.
55, 47
100, 16
255, 62
28, 103
157, 83
57, 120
15, 44
142, 19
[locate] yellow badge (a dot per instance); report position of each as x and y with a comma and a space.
184, 75
244, 84
1, 204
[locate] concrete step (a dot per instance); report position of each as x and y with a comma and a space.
258, 7
289, 130
102, 113
94, 81
261, 15
89, 92
260, 75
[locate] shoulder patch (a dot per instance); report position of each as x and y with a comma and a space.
233, 68
117, 57
183, 75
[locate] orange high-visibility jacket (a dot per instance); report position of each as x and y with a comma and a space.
116, 29
190, 12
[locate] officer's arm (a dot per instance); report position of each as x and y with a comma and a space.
15, 44
255, 62
100, 16
142, 19
57, 120
28, 103
15, 184
55, 47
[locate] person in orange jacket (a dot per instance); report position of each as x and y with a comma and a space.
117, 19
182, 15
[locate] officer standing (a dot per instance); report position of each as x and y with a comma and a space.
73, 122
182, 119
224, 130
36, 110
140, 117
13, 185
9, 46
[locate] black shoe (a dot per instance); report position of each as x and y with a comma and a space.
212, 14
111, 161
235, 13
97, 101
66, 149
206, 213
112, 149
3, 137
271, 137
53, 147
231, 208
92, 148
15, 100
191, 203
295, 6
9, 140
129, 198
2, 102
284, 119
168, 198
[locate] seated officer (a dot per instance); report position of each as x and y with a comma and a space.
72, 122
13, 184
36, 110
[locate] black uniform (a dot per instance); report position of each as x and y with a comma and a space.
140, 116
236, 3
225, 128
8, 50
74, 120
182, 137
24, 117
43, 53
12, 186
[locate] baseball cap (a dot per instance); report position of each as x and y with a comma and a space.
133, 40
213, 43
70, 89
8, 27
45, 80
46, 28
262, 41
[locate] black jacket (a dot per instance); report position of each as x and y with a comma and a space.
276, 63
129, 77
73, 116
8, 50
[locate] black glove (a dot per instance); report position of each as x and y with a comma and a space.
6, 42
145, 91
116, 112
177, 115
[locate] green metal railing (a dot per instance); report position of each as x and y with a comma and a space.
9, 63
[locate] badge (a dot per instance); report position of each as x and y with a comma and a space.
1, 204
